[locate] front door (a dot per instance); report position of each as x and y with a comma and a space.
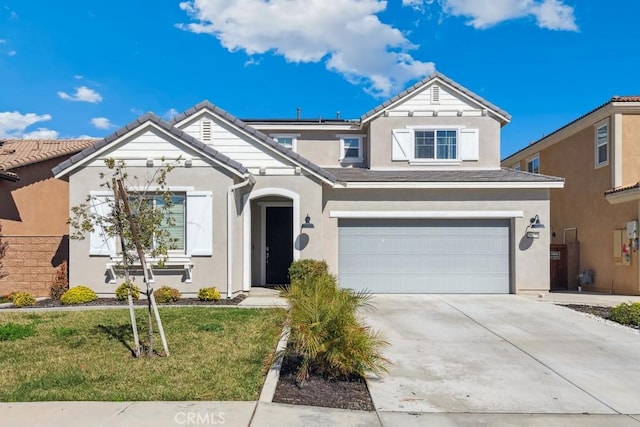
278, 244
558, 267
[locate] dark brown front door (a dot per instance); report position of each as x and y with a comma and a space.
558, 255
278, 244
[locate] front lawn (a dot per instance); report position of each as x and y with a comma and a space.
216, 354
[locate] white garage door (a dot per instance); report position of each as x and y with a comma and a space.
424, 256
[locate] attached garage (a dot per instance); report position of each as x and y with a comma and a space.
425, 255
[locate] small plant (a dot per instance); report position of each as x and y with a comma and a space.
13, 331
23, 299
209, 294
6, 298
301, 269
121, 291
78, 295
166, 294
626, 313
60, 283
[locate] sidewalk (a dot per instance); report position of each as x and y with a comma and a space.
584, 298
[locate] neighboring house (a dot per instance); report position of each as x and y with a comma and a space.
410, 198
597, 154
33, 211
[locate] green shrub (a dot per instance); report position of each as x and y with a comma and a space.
6, 298
78, 295
122, 294
325, 332
301, 269
209, 294
23, 299
626, 313
13, 331
60, 283
166, 294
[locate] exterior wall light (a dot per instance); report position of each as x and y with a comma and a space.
534, 227
307, 222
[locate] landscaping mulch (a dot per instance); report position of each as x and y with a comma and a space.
102, 302
603, 312
347, 393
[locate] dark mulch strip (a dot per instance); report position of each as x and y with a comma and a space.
49, 303
351, 393
603, 312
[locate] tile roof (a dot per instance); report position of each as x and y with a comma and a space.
150, 117
15, 153
493, 175
621, 189
234, 121
421, 83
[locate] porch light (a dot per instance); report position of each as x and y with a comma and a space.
307, 222
534, 227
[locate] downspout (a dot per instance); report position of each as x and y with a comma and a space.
249, 181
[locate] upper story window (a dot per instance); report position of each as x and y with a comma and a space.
602, 145
533, 164
289, 141
436, 144
351, 148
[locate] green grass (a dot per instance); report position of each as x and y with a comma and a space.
216, 354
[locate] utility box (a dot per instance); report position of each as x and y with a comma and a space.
632, 229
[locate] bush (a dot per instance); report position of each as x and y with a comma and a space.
23, 299
325, 332
626, 313
13, 331
301, 269
166, 294
78, 295
122, 294
209, 294
60, 283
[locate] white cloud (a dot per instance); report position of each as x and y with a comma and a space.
12, 53
170, 114
549, 14
78, 77
83, 93
13, 123
41, 133
101, 123
345, 34
3, 41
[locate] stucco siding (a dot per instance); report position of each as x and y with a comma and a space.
630, 149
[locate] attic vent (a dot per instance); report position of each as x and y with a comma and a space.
435, 94
205, 130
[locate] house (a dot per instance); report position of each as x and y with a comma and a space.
594, 228
409, 198
33, 211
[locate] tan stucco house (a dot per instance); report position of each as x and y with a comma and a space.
594, 231
33, 211
409, 198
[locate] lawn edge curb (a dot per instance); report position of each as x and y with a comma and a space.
273, 375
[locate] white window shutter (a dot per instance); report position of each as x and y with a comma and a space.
199, 223
469, 144
99, 243
401, 144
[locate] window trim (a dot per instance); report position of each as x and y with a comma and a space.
413, 160
360, 138
293, 136
531, 160
597, 127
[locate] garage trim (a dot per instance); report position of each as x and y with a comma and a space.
427, 214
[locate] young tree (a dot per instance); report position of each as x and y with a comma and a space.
3, 251
138, 212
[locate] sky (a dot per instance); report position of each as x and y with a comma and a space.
79, 68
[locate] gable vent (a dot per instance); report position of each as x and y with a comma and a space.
205, 130
435, 94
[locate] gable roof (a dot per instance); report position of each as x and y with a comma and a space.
69, 164
15, 153
431, 77
261, 137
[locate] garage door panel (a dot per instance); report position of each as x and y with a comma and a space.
424, 256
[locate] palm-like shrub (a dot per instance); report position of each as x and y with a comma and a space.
325, 332
78, 295
301, 269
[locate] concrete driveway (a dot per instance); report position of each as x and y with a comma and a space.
502, 354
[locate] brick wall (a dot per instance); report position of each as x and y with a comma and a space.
31, 262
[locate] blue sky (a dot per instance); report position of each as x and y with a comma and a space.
86, 67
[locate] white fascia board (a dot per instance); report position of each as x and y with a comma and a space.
460, 185
425, 214
623, 196
302, 127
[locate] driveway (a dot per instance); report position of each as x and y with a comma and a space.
502, 354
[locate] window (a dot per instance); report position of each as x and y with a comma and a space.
516, 167
602, 145
350, 148
533, 165
436, 144
174, 221
287, 140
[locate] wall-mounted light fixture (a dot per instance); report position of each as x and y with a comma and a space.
307, 222
534, 227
